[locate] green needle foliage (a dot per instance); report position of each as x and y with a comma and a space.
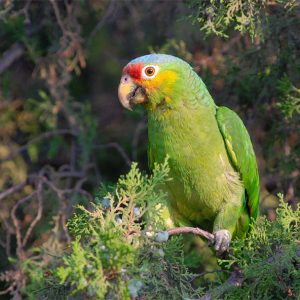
290, 98
115, 254
245, 16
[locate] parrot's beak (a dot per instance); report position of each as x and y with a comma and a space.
130, 94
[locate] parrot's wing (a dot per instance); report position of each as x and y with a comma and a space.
241, 153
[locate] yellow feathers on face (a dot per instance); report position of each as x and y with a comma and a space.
164, 81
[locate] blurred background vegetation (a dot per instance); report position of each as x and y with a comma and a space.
63, 132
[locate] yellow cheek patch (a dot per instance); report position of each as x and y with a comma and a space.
163, 80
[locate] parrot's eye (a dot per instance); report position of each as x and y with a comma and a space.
150, 71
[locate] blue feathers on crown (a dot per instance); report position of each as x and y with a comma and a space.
155, 58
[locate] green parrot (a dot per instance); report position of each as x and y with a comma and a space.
215, 181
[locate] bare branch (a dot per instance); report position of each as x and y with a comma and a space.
8, 239
76, 174
118, 148
9, 231
38, 216
58, 16
9, 289
2, 243
10, 56
20, 250
108, 16
12, 190
60, 192
39, 138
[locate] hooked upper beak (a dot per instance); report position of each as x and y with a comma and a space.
130, 93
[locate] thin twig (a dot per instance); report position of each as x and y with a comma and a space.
20, 250
2, 243
38, 216
110, 12
10, 56
8, 239
9, 289
76, 174
118, 148
122, 202
9, 232
37, 139
12, 190
58, 17
130, 221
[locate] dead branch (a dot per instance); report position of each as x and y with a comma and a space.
9, 232
8, 290
38, 216
41, 180
108, 17
16, 280
20, 250
12, 190
118, 148
61, 192
10, 56
37, 139
58, 17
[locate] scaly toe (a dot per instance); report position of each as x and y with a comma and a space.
222, 240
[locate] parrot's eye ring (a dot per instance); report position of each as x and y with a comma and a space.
150, 71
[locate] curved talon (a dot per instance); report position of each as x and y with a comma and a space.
222, 240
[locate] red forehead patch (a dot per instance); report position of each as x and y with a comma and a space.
134, 70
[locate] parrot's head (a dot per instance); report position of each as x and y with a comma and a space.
154, 80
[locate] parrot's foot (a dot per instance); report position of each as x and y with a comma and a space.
222, 240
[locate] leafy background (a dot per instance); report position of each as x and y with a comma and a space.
65, 140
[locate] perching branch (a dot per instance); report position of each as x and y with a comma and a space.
194, 230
